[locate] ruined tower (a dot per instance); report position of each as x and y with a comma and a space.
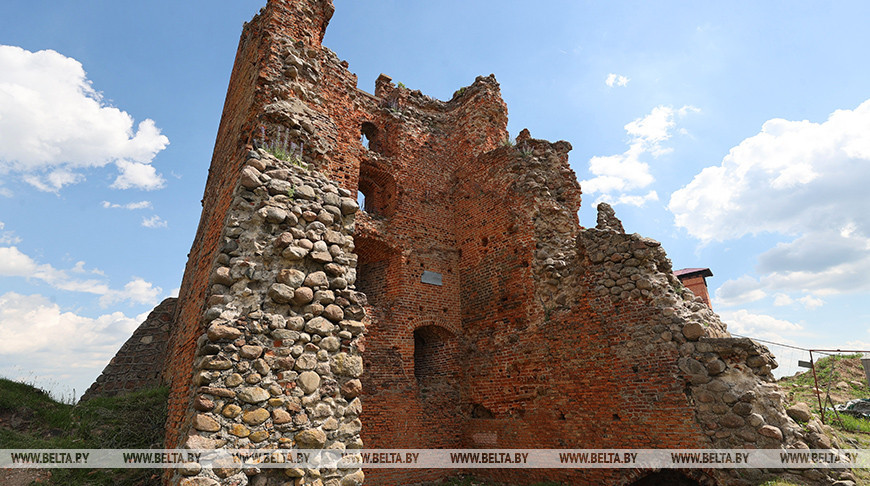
485, 316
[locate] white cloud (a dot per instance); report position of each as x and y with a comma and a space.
808, 301
139, 176
8, 237
54, 124
638, 201
616, 176
130, 206
811, 302
791, 178
54, 180
154, 222
760, 326
800, 179
614, 79
32, 322
739, 292
45, 344
137, 291
14, 263
780, 300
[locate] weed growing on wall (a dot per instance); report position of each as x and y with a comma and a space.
282, 148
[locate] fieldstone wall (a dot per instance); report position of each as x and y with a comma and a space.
279, 363
728, 381
139, 362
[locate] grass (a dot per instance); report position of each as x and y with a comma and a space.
37, 421
830, 369
853, 432
851, 424
282, 153
282, 148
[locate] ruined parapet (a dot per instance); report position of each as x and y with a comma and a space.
139, 363
279, 362
728, 383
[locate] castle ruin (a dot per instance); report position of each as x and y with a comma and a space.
463, 306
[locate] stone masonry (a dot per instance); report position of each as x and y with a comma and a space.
486, 316
279, 363
139, 363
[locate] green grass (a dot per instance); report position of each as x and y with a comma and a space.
830, 369
825, 370
849, 423
282, 153
132, 421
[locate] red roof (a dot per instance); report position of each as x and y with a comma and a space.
691, 272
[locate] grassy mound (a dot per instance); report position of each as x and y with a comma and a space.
31, 419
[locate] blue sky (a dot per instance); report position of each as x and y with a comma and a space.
737, 134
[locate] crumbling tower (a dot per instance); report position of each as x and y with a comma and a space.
486, 316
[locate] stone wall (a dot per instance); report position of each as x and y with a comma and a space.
279, 363
139, 363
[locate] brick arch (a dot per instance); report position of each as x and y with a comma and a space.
452, 327
676, 477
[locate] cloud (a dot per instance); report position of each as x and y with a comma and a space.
618, 175
803, 180
154, 222
810, 302
8, 237
616, 80
47, 326
136, 175
636, 200
137, 291
54, 180
739, 292
14, 263
129, 206
54, 124
790, 178
45, 344
760, 326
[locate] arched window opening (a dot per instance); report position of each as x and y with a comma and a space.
378, 189
369, 136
